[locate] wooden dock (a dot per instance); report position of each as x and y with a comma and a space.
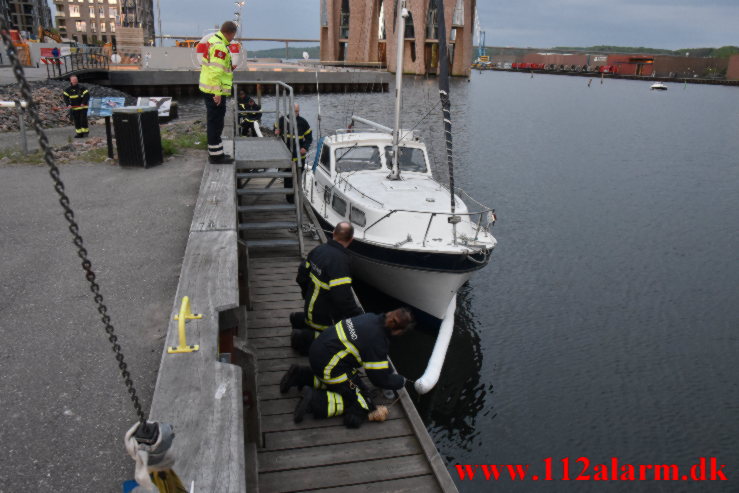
234, 430
397, 455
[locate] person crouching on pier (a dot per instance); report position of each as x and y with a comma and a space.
249, 113
77, 99
325, 282
331, 386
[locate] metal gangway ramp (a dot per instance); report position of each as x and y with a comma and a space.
315, 455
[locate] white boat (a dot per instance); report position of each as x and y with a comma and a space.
414, 239
407, 241
658, 86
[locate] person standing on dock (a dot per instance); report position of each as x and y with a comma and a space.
77, 98
216, 80
305, 139
326, 284
331, 385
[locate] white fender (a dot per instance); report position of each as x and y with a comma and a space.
431, 376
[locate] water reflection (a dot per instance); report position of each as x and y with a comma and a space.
451, 408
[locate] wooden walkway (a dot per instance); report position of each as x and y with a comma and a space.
198, 393
315, 455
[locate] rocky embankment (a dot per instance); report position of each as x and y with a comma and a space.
48, 97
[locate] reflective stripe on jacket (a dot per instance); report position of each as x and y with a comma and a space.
77, 97
358, 342
305, 134
325, 281
249, 113
216, 70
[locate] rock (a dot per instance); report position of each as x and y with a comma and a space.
47, 98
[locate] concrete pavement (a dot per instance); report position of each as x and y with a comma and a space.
64, 406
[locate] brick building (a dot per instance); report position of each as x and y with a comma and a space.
96, 21
732, 72
29, 15
363, 32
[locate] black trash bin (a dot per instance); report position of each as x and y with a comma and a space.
137, 136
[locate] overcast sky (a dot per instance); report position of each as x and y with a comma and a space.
667, 24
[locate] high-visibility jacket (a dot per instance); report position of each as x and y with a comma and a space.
305, 134
325, 280
77, 97
359, 342
216, 70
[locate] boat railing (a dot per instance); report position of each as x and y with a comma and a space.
481, 219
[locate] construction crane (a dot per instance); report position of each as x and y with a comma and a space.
45, 33
482, 60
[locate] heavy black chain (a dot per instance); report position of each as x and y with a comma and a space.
68, 213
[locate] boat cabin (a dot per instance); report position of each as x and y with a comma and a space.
350, 182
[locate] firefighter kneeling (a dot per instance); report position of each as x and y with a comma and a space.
332, 383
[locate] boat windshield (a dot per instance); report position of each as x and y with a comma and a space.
410, 159
357, 158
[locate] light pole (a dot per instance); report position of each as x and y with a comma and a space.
159, 17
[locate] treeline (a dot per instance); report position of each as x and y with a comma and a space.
723, 52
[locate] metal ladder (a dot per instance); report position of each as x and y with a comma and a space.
265, 221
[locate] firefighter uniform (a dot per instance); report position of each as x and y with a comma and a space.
216, 79
325, 281
335, 359
77, 98
305, 139
249, 112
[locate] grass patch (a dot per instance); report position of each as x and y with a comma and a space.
15, 156
177, 144
174, 141
95, 155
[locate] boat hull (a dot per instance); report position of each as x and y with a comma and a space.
427, 281
427, 290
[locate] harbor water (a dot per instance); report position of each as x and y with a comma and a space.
606, 324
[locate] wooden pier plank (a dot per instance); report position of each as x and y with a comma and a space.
280, 364
258, 333
215, 209
194, 392
343, 474
284, 422
426, 483
308, 438
271, 342
328, 455
280, 406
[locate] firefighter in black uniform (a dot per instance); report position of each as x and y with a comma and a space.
77, 98
305, 139
332, 384
326, 284
249, 112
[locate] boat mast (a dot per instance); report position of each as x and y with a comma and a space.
446, 109
400, 27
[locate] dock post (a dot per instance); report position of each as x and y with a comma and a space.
22, 127
109, 137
